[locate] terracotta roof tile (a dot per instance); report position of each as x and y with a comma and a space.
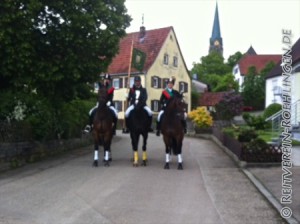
151, 45
259, 61
210, 98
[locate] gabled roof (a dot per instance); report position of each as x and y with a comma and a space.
277, 70
259, 61
211, 98
151, 45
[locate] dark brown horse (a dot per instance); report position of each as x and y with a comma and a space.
138, 124
102, 127
172, 129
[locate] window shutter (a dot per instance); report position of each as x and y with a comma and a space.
121, 82
159, 82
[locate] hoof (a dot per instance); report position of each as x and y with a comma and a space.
167, 167
110, 159
180, 167
95, 163
106, 163
135, 164
144, 163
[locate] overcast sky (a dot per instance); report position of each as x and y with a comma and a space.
243, 23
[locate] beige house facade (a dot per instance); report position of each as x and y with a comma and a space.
162, 59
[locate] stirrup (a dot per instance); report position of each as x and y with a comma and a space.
87, 129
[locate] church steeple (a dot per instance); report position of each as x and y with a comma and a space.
216, 42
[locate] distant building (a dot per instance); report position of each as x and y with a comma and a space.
250, 58
216, 41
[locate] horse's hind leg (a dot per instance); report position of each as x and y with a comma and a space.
179, 157
167, 166
95, 163
145, 159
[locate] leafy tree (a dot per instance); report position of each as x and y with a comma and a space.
53, 47
229, 106
210, 64
233, 59
50, 51
254, 87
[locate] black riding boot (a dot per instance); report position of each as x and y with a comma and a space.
184, 126
115, 121
150, 124
89, 127
126, 130
157, 128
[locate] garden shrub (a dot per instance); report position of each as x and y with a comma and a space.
201, 117
258, 122
272, 109
246, 134
256, 145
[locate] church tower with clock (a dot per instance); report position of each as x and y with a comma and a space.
215, 41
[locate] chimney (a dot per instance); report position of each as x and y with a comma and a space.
142, 33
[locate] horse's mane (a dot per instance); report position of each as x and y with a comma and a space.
102, 97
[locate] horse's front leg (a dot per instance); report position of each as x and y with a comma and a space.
134, 141
167, 166
145, 159
179, 156
96, 148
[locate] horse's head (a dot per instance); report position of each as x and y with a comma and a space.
176, 104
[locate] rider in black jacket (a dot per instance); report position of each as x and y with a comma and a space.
137, 97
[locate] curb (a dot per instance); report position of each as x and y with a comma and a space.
255, 181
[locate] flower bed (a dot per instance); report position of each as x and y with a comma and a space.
252, 152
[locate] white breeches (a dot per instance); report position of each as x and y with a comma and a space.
131, 107
110, 107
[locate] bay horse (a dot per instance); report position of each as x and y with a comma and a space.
138, 124
172, 129
102, 127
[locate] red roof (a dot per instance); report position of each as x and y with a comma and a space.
210, 98
259, 61
151, 45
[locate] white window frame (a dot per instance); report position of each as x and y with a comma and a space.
166, 59
155, 82
116, 83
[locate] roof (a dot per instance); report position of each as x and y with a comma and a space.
199, 86
216, 33
277, 70
259, 61
251, 51
211, 98
151, 46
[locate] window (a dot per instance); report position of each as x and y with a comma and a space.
131, 82
183, 87
155, 82
118, 105
155, 106
166, 59
175, 61
116, 83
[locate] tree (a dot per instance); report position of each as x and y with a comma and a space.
49, 52
53, 47
253, 88
233, 59
210, 64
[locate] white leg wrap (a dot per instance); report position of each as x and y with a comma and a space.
96, 155
106, 156
167, 158
179, 158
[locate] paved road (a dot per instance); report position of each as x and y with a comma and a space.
210, 189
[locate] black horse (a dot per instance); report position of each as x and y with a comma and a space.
102, 127
172, 129
138, 124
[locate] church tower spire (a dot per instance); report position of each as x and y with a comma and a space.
215, 41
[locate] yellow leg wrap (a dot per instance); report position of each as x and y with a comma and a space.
144, 155
135, 157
